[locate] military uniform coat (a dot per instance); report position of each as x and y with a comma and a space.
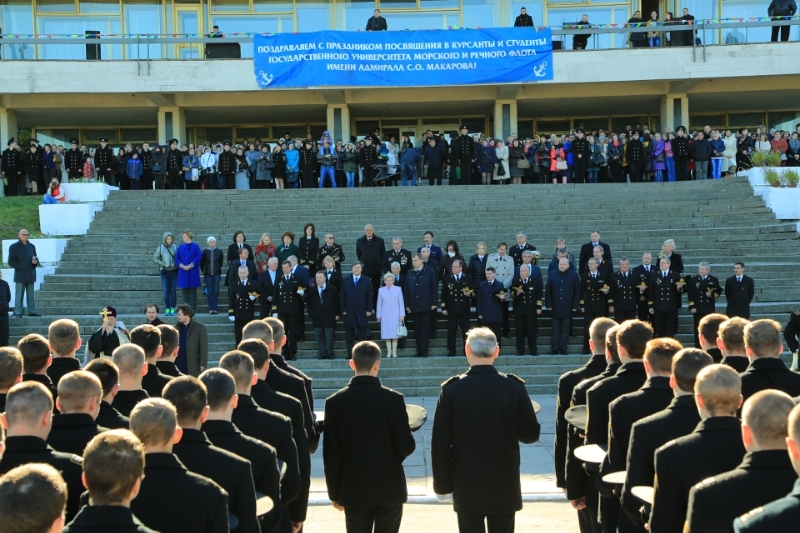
70, 433
104, 159
403, 257
226, 163
716, 502
333, 250
308, 254
466, 426
714, 447
229, 471
780, 515
698, 288
453, 299
769, 373
739, 294
367, 437
647, 435
285, 299
111, 418
792, 331
515, 252
25, 450
464, 150
240, 304
664, 294
284, 381
126, 400
154, 381
629, 377
99, 518
529, 300
593, 299
624, 291
73, 161
167, 479
62, 366
643, 276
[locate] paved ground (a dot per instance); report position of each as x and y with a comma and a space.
545, 507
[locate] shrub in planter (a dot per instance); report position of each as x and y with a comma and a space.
758, 159
772, 178
791, 177
773, 159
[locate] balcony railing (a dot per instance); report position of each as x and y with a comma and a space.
145, 48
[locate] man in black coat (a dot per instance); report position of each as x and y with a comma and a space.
356, 304
679, 418
104, 162
665, 290
527, 294
155, 423
244, 261
27, 417
272, 428
218, 428
595, 298
78, 403
367, 157
635, 157
23, 259
267, 281
587, 251
332, 249
581, 150
681, 151
714, 447
370, 250
523, 20
641, 274
5, 301
365, 477
73, 161
703, 291
624, 293
421, 299
324, 310
654, 396
762, 341
398, 255
146, 157
195, 452
485, 486
12, 168
764, 475
148, 338
515, 252
174, 168
377, 23
457, 291
562, 297
287, 303
739, 290
464, 151
242, 302
106, 371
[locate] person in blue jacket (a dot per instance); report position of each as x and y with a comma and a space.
435, 159
134, 169
408, 165
491, 295
292, 165
562, 297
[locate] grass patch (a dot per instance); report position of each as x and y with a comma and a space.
19, 212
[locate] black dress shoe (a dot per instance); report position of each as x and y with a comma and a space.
34, 314
451, 355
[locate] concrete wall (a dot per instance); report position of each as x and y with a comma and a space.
625, 65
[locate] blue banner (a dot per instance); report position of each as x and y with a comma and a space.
403, 58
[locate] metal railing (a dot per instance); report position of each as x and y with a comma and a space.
700, 29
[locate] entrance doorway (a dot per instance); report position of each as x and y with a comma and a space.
648, 6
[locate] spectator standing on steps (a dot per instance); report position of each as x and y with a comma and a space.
523, 20
781, 9
377, 22
192, 344
187, 259
164, 257
22, 258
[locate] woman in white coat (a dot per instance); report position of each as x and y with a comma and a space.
729, 154
390, 312
501, 153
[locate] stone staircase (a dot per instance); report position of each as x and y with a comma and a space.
716, 221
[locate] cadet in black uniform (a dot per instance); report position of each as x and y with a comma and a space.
78, 402
106, 371
624, 293
169, 353
35, 360
146, 157
195, 451
148, 338
154, 422
33, 495
731, 342
581, 152
714, 447
527, 294
64, 338
174, 168
648, 434
764, 475
222, 399
485, 487
331, 249
703, 291
130, 363
464, 153
104, 162
457, 291
28, 411
566, 385
595, 298
365, 477
286, 302
10, 372
580, 487
73, 161
368, 156
708, 333
114, 468
12, 168
665, 289
762, 341
642, 275
680, 150
654, 396
632, 338
242, 302
782, 514
790, 334
270, 427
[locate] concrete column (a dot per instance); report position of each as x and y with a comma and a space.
8, 126
668, 113
684, 114
171, 125
505, 118
339, 122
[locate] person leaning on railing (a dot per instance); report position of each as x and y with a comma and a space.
778, 9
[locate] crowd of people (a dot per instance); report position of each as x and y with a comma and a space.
636, 154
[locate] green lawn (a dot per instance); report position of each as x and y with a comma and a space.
19, 212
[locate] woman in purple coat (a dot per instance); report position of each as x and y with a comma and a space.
390, 312
658, 157
187, 260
